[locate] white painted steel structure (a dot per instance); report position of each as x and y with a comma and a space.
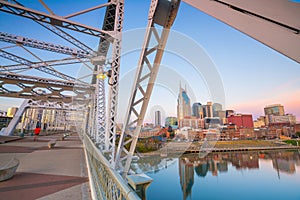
274, 23
162, 13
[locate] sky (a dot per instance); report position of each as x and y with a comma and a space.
200, 52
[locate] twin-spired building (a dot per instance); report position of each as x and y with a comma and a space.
183, 105
196, 115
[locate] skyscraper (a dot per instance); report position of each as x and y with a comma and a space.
183, 105
208, 110
216, 107
197, 110
157, 118
186, 174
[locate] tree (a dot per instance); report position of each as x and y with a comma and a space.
170, 129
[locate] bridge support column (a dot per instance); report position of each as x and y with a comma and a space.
30, 121
140, 183
23, 124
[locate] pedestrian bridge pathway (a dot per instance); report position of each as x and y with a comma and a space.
58, 173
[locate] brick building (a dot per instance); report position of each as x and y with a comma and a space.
241, 120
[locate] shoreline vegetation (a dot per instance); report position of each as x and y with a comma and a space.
223, 146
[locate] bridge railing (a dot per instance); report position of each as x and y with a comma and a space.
105, 182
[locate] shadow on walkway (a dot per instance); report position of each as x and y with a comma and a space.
29, 186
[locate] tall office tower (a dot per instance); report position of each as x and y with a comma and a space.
208, 109
197, 110
157, 118
183, 105
222, 115
186, 174
203, 108
216, 107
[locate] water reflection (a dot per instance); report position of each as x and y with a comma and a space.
215, 163
154, 163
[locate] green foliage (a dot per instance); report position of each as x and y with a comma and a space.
172, 134
293, 142
146, 147
298, 134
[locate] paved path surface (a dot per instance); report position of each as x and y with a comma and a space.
59, 173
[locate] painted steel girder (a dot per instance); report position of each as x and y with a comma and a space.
50, 19
28, 84
56, 105
44, 68
101, 113
114, 81
49, 63
274, 23
103, 135
19, 40
63, 35
105, 42
161, 13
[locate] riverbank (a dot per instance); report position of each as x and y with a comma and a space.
220, 146
247, 145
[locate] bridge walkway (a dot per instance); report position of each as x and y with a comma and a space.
58, 173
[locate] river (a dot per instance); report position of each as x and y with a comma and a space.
235, 175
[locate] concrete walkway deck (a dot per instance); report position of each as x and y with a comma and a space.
59, 173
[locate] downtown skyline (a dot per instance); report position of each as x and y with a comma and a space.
252, 74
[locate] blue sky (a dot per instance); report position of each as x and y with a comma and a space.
252, 74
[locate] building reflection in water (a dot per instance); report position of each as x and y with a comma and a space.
214, 163
186, 171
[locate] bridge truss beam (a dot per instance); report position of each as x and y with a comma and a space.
114, 81
49, 63
106, 127
161, 13
63, 34
101, 111
50, 19
273, 23
29, 87
24, 41
56, 105
29, 64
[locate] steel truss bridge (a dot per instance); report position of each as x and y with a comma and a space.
83, 100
